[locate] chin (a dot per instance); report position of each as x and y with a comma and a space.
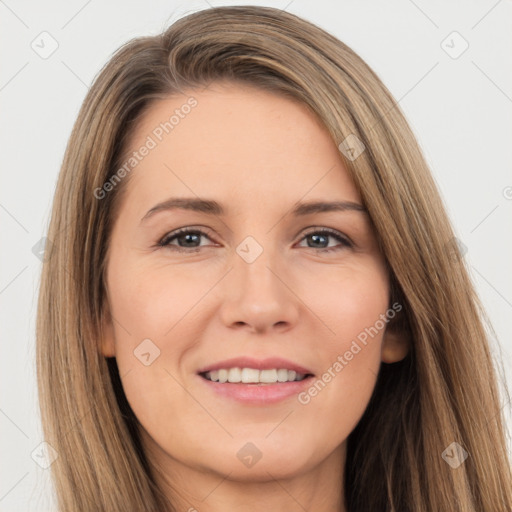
260, 460
263, 470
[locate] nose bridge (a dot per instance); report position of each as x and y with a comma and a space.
253, 262
256, 293
256, 264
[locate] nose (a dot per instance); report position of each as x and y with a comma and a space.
258, 296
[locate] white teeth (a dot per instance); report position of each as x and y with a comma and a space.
268, 376
282, 375
250, 375
253, 376
235, 375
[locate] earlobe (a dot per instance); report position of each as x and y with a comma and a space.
107, 345
395, 346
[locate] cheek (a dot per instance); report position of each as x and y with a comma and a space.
354, 310
156, 312
349, 303
153, 312
148, 310
150, 302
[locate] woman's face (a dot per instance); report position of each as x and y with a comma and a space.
263, 281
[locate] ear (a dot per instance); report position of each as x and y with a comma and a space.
107, 344
395, 345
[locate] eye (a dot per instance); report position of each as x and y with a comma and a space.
321, 236
188, 240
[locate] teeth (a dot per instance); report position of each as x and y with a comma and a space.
269, 376
235, 375
253, 376
250, 375
282, 375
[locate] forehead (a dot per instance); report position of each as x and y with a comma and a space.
236, 141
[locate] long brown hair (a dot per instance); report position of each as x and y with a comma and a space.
445, 391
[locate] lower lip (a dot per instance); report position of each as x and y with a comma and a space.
258, 394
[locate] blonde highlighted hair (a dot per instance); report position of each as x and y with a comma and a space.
444, 391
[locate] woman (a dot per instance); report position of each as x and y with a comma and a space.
258, 370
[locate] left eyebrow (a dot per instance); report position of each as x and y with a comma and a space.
211, 207
321, 207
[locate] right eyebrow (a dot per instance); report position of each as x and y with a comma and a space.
208, 206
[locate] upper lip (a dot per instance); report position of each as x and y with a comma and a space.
259, 364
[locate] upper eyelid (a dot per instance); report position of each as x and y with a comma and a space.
180, 231
330, 232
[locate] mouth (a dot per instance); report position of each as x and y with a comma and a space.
256, 382
255, 376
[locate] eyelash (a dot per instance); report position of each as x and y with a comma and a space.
165, 241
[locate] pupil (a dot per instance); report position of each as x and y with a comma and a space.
317, 237
188, 236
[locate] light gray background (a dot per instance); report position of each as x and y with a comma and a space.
459, 108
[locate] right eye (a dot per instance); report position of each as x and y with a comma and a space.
184, 236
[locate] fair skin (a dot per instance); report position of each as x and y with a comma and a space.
257, 154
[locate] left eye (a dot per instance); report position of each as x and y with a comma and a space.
188, 240
324, 234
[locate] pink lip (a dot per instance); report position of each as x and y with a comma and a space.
258, 394
258, 364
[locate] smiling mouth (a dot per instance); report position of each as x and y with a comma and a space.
254, 376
